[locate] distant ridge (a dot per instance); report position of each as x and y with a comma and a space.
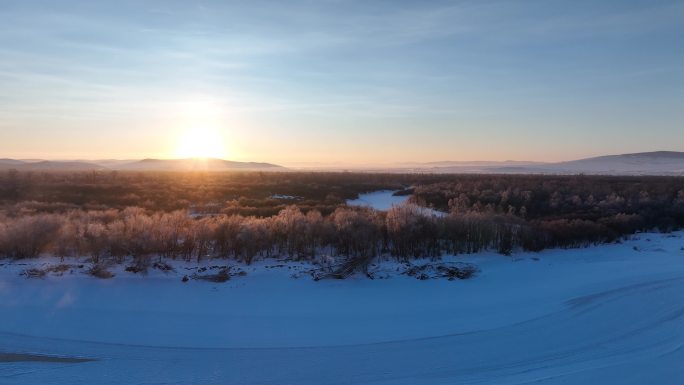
209, 164
45, 165
641, 163
10, 162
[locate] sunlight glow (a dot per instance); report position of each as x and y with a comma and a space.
201, 142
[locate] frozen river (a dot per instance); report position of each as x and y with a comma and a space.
383, 200
603, 315
380, 200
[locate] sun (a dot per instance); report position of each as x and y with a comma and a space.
201, 142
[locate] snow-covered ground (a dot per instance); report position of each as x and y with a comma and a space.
611, 314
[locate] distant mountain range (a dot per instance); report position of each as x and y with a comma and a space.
209, 164
195, 165
644, 163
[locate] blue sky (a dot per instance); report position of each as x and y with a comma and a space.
342, 81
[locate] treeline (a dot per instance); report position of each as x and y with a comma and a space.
625, 204
303, 215
245, 193
405, 232
262, 194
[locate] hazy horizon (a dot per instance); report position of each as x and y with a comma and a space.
340, 82
332, 165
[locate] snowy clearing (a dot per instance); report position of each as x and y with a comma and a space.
609, 314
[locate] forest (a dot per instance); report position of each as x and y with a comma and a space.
247, 215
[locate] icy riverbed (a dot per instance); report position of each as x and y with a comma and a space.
382, 200
609, 314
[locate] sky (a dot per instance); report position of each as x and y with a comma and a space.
339, 81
